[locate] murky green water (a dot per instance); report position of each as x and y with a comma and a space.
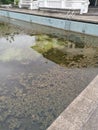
66, 53
39, 77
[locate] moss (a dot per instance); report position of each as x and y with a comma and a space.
56, 55
44, 48
64, 52
47, 42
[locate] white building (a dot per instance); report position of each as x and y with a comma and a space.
82, 5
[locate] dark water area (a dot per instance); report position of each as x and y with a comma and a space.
40, 75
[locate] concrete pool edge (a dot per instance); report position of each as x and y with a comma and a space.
82, 113
79, 38
74, 30
72, 24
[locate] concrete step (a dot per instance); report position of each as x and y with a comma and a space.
93, 10
91, 14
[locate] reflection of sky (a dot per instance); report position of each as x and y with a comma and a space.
19, 49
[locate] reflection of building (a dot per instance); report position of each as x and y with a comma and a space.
93, 2
81, 5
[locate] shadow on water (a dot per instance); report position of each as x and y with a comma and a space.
34, 87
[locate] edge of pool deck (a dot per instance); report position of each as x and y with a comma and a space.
82, 113
80, 18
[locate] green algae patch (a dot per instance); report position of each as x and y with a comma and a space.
62, 58
47, 42
56, 55
65, 53
41, 48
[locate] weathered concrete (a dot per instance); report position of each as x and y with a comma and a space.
82, 113
68, 15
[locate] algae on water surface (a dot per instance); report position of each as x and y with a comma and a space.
66, 53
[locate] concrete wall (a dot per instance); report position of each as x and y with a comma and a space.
82, 113
85, 27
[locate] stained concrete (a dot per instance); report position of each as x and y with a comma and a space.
82, 18
82, 113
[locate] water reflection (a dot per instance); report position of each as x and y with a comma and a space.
19, 65
66, 53
34, 90
17, 50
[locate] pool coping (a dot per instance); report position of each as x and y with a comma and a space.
78, 113
80, 18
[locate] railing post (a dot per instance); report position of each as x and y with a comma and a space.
63, 3
45, 3
20, 2
84, 7
96, 3
31, 5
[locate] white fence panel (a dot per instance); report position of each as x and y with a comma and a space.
82, 5
28, 3
54, 3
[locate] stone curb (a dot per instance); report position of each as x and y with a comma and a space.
79, 111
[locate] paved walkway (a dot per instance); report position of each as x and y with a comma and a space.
84, 18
